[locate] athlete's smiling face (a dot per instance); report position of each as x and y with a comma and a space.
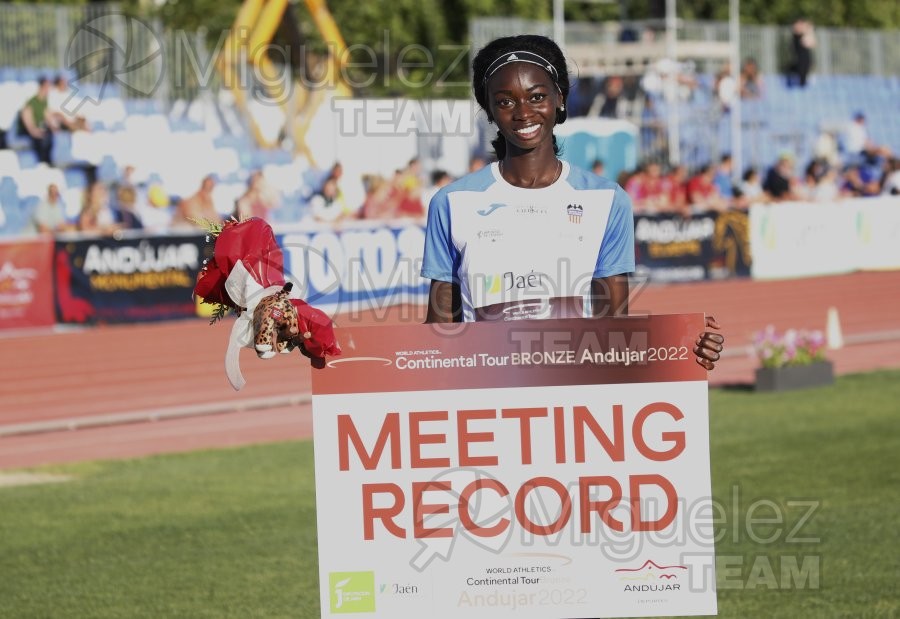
523, 100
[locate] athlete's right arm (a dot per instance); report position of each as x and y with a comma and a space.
441, 305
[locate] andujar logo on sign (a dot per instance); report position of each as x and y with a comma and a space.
352, 592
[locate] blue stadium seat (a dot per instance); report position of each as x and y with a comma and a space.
27, 159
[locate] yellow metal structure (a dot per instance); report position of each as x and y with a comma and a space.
254, 27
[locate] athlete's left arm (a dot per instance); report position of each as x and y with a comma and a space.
609, 297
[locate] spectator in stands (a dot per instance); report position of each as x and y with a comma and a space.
751, 80
439, 179
891, 186
803, 40
96, 215
654, 195
702, 193
676, 183
36, 122
634, 187
476, 163
381, 198
410, 190
610, 103
56, 101
49, 216
779, 184
722, 177
259, 200
858, 184
856, 137
598, 167
125, 194
328, 204
827, 188
750, 189
725, 87
192, 211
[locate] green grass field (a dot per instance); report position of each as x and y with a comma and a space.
231, 533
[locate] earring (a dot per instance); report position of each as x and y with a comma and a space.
562, 108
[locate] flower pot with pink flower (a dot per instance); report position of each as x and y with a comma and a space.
791, 360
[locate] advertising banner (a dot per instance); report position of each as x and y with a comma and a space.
366, 267
132, 279
531, 469
26, 283
671, 248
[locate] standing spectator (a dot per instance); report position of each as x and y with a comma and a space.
725, 87
198, 207
258, 201
609, 103
96, 216
803, 40
49, 217
780, 183
751, 80
34, 120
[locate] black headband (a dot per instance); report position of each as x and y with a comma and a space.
520, 56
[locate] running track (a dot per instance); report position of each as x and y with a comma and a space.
154, 388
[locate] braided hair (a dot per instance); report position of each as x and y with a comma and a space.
536, 48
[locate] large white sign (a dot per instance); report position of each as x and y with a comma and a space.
544, 469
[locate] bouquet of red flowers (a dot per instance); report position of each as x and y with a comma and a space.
246, 276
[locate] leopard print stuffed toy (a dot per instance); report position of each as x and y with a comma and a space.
276, 325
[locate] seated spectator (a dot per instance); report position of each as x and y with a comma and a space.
827, 188
891, 186
193, 211
35, 122
49, 217
859, 182
751, 80
328, 205
598, 167
634, 187
125, 194
258, 201
96, 216
381, 198
780, 184
702, 193
56, 105
722, 177
749, 190
476, 163
410, 190
676, 184
654, 194
439, 179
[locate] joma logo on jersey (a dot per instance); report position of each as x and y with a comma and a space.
494, 284
575, 212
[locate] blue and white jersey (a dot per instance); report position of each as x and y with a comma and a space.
506, 245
